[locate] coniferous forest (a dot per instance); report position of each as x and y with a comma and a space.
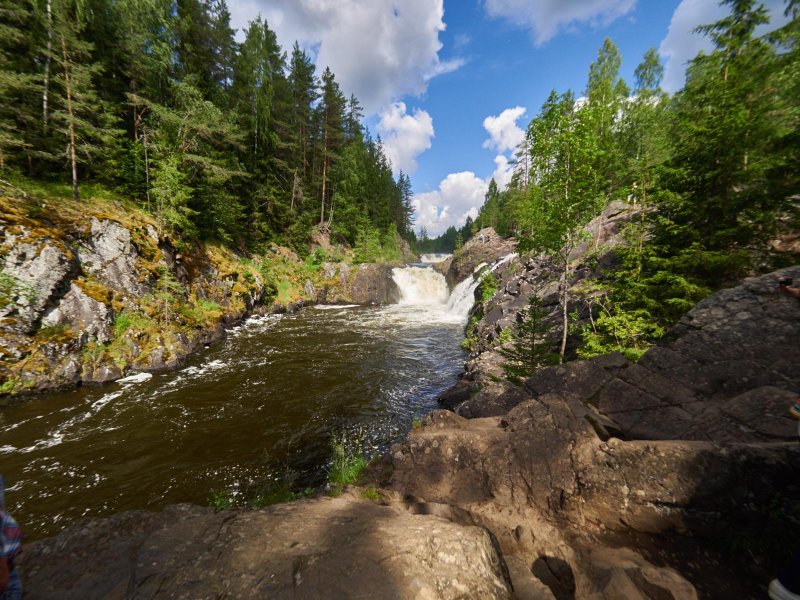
155, 99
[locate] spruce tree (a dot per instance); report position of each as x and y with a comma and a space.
16, 83
529, 349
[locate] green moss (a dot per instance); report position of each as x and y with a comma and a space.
371, 493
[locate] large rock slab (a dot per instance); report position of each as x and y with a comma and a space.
321, 548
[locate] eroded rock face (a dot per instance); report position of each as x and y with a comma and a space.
368, 284
485, 246
323, 548
40, 270
110, 256
82, 314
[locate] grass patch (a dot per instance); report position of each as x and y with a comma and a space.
348, 461
279, 492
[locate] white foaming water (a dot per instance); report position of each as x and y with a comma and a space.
424, 297
136, 378
419, 285
434, 258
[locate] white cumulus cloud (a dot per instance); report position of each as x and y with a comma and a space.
459, 196
379, 50
504, 134
682, 44
545, 18
405, 136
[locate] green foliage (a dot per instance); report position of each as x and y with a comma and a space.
371, 493
529, 348
372, 245
348, 461
11, 289
487, 287
470, 341
277, 493
221, 500
127, 319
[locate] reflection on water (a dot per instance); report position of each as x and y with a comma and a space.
257, 405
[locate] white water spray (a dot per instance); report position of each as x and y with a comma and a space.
434, 258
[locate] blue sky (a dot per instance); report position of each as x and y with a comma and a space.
450, 84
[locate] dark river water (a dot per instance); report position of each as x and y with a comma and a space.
257, 406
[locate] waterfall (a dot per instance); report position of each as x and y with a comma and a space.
424, 287
420, 285
436, 257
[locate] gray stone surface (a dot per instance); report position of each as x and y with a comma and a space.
110, 255
321, 548
81, 314
40, 270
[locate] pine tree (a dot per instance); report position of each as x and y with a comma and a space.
332, 118
81, 116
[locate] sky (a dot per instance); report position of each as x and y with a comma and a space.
450, 85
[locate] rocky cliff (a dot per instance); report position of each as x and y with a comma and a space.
90, 291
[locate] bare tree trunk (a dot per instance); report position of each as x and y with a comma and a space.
146, 166
324, 177
71, 117
47, 64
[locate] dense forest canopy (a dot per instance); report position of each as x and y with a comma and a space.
713, 168
239, 142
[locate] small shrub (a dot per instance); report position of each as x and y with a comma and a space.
488, 287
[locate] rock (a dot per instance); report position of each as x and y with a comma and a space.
625, 574
82, 314
321, 548
309, 290
40, 272
373, 284
485, 246
110, 256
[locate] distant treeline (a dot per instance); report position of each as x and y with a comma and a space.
715, 169
218, 139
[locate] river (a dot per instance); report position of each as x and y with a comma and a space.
258, 406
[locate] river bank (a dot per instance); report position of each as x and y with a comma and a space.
93, 291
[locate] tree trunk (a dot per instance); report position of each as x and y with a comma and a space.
564, 314
47, 65
324, 177
71, 120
